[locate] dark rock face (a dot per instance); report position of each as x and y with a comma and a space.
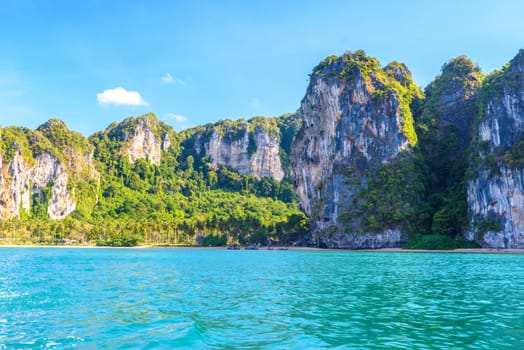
496, 186
445, 128
356, 119
450, 103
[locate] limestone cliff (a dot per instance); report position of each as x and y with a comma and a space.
370, 159
496, 185
143, 137
356, 123
249, 147
39, 176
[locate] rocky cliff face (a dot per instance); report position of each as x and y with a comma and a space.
445, 129
450, 105
142, 138
496, 186
249, 147
15, 192
37, 173
356, 119
349, 151
32, 181
496, 204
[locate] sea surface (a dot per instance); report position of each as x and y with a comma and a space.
199, 298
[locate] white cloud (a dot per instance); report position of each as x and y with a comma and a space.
176, 117
120, 96
169, 79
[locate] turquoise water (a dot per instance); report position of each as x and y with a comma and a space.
191, 298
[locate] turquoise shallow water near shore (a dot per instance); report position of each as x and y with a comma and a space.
192, 298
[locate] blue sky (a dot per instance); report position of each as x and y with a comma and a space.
192, 62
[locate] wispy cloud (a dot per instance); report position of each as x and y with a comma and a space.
178, 121
120, 96
169, 79
176, 117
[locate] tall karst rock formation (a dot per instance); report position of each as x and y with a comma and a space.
445, 127
353, 162
496, 185
371, 160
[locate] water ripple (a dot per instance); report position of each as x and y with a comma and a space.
166, 298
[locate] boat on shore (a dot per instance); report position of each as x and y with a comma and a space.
277, 248
255, 246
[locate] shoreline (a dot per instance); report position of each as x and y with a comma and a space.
459, 250
379, 250
402, 250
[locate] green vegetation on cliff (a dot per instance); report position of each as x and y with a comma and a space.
230, 130
445, 128
14, 140
282, 129
384, 182
125, 197
288, 125
75, 154
196, 197
181, 200
69, 148
510, 152
390, 198
381, 82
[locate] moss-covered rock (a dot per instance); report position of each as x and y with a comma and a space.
445, 124
356, 118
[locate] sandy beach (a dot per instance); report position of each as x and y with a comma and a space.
380, 250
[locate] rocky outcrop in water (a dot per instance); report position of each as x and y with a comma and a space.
249, 147
356, 121
496, 185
